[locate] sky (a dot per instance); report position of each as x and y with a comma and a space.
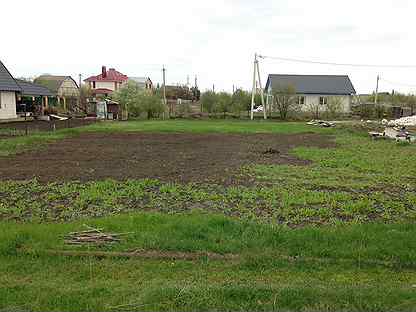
214, 40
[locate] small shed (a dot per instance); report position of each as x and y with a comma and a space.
107, 109
64, 88
33, 97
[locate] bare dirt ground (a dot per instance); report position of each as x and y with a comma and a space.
202, 158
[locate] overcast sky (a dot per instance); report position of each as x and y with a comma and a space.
214, 39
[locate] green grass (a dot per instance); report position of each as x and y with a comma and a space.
262, 279
208, 126
338, 234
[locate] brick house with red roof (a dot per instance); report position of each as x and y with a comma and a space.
107, 82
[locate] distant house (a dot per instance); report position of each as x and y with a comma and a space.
8, 94
142, 82
64, 88
20, 96
33, 98
314, 90
107, 82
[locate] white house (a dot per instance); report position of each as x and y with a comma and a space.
8, 93
314, 90
107, 82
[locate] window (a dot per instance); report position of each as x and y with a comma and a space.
0, 101
93, 84
301, 100
323, 100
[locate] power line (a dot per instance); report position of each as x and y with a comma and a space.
332, 63
398, 83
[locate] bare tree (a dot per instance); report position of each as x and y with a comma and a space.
285, 101
333, 106
314, 109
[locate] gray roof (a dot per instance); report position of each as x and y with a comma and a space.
52, 82
140, 80
32, 89
7, 82
313, 84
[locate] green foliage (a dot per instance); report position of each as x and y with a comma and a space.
241, 101
196, 93
137, 101
223, 103
208, 101
127, 97
151, 104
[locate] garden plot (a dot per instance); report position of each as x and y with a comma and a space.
171, 157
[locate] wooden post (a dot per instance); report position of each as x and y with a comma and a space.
64, 104
261, 90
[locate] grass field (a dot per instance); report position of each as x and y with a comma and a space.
337, 234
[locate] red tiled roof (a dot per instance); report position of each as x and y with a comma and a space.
101, 91
112, 75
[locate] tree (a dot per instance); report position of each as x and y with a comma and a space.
241, 101
314, 109
85, 94
223, 103
196, 94
285, 101
208, 100
333, 106
128, 97
137, 101
151, 104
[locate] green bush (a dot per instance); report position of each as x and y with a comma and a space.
137, 101
223, 104
208, 100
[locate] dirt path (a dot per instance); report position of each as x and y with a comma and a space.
185, 157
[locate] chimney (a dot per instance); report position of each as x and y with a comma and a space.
103, 71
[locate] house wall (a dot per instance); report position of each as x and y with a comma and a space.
68, 89
8, 105
105, 85
313, 101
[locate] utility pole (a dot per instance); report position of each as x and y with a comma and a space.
79, 99
376, 96
261, 91
253, 91
256, 71
164, 87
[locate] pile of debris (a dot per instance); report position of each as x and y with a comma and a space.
321, 123
395, 133
92, 237
405, 121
